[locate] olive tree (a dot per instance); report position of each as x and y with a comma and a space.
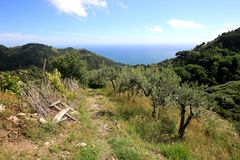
157, 84
192, 96
163, 88
101, 77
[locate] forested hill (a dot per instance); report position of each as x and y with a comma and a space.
33, 54
211, 63
216, 64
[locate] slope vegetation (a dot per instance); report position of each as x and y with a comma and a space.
34, 54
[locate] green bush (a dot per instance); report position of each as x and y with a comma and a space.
237, 126
124, 149
55, 80
154, 130
71, 66
9, 82
225, 102
176, 151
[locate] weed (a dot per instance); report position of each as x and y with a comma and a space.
72, 136
176, 151
154, 130
32, 129
53, 149
87, 153
49, 127
124, 150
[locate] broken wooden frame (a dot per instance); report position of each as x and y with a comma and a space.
62, 112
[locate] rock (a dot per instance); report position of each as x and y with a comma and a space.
2, 108
46, 143
14, 119
63, 156
42, 120
34, 115
21, 114
82, 144
68, 153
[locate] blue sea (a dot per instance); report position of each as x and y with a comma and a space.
138, 54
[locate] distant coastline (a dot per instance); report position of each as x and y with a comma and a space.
137, 54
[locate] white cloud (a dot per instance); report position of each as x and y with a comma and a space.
77, 7
154, 29
184, 24
56, 38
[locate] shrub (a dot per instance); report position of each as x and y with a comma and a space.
176, 151
57, 83
237, 126
71, 66
9, 83
225, 102
55, 80
154, 130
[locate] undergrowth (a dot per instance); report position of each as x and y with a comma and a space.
124, 149
207, 137
176, 151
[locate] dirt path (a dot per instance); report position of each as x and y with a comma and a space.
100, 112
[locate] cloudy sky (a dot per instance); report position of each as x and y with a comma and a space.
110, 22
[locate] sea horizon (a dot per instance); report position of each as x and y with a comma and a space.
137, 54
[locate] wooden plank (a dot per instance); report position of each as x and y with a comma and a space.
63, 119
68, 115
55, 103
67, 106
60, 115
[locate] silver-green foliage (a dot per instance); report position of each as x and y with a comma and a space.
163, 86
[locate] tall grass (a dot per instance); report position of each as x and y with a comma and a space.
155, 131
124, 149
176, 151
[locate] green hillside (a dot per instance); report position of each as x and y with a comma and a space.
215, 64
131, 112
211, 63
228, 97
33, 54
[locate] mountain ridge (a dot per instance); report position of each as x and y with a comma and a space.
33, 54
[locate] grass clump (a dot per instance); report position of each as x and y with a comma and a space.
88, 153
127, 109
124, 150
53, 149
176, 151
32, 129
152, 130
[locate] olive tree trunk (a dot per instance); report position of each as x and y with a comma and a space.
183, 124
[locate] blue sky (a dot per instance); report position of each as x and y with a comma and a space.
111, 22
